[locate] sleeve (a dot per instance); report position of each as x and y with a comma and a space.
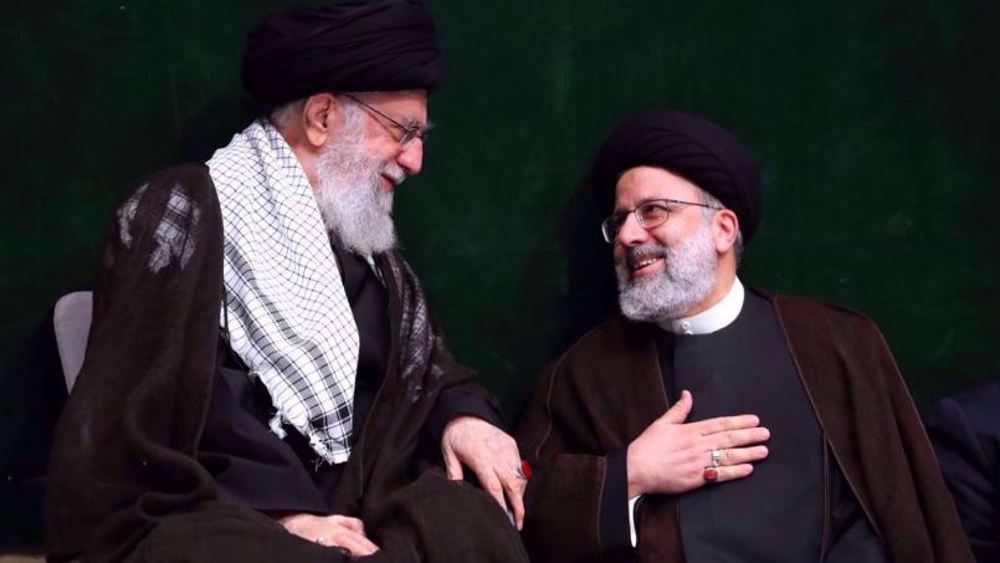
970, 468
852, 538
566, 495
467, 398
617, 526
912, 509
123, 451
123, 480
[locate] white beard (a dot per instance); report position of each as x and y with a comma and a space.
355, 208
686, 280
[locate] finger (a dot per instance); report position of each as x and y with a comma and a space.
726, 423
515, 481
679, 412
737, 438
733, 472
452, 466
348, 522
515, 494
736, 456
357, 544
491, 484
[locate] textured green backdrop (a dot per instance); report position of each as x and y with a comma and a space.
876, 124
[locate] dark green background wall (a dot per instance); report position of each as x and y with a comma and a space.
876, 124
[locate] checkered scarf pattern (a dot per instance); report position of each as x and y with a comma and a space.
288, 315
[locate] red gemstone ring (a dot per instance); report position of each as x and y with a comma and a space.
711, 474
525, 469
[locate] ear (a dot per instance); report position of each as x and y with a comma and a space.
725, 228
322, 116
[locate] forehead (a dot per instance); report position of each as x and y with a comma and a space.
644, 183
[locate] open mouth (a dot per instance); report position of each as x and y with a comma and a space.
389, 183
644, 265
644, 260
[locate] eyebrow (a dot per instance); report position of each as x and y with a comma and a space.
642, 202
424, 127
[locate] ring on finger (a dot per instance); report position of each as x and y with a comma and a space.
716, 456
321, 540
523, 470
711, 474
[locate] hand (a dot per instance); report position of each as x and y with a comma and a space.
343, 532
493, 457
670, 456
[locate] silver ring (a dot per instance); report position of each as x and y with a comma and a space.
716, 458
321, 540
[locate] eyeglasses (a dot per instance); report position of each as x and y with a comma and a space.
410, 131
649, 214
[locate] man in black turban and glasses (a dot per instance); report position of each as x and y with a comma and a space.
710, 422
263, 381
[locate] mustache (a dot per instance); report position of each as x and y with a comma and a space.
646, 251
394, 172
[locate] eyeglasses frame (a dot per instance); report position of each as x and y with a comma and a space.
623, 215
410, 132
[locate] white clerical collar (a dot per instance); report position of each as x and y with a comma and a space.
716, 317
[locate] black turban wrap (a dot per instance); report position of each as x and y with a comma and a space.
690, 146
385, 45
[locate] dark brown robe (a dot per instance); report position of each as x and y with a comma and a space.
124, 482
607, 388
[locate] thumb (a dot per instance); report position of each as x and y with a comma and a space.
679, 412
451, 464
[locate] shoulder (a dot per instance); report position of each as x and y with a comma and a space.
976, 407
181, 190
823, 316
614, 341
190, 181
168, 213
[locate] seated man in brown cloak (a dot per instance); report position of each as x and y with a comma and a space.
262, 381
710, 421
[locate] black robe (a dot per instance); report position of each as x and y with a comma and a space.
254, 467
608, 387
796, 506
124, 480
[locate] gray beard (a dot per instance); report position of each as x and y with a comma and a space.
355, 208
686, 280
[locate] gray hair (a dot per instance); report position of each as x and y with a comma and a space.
283, 115
709, 212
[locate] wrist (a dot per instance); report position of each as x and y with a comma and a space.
631, 473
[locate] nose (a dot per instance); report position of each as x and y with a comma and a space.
411, 157
631, 233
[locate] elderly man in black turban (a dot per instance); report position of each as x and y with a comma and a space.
262, 381
711, 422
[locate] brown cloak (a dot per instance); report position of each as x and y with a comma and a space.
607, 388
123, 480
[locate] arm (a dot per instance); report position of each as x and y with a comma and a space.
577, 501
565, 492
466, 399
965, 433
124, 446
465, 421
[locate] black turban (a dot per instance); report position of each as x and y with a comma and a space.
385, 45
690, 146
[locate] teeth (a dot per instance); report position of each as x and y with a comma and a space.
643, 263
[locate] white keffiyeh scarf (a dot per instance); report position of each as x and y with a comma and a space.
289, 318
